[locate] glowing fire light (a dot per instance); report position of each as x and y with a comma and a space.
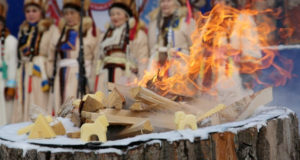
226, 42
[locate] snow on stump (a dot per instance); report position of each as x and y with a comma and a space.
270, 134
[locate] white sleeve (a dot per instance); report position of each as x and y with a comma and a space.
10, 49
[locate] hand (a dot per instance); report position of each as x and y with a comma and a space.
9, 93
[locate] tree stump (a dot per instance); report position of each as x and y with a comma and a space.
272, 134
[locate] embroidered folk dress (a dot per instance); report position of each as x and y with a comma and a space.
32, 79
66, 79
121, 62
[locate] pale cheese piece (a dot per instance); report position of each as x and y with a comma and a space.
182, 120
41, 129
98, 128
27, 129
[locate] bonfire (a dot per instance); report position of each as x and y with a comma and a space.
203, 88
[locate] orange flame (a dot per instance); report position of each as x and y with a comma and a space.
226, 43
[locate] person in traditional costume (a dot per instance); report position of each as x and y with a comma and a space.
170, 29
65, 56
123, 51
35, 36
8, 66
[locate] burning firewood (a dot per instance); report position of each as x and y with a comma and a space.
148, 97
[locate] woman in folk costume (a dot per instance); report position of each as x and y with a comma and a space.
67, 51
169, 31
8, 66
34, 41
123, 51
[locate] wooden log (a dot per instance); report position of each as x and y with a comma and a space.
113, 119
115, 99
92, 103
142, 127
224, 146
259, 99
158, 120
75, 118
238, 110
148, 97
124, 91
140, 106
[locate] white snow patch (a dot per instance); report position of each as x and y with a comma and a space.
153, 142
68, 124
26, 147
109, 150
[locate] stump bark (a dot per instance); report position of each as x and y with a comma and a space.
277, 140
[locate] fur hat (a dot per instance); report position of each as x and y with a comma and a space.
129, 6
40, 3
76, 4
